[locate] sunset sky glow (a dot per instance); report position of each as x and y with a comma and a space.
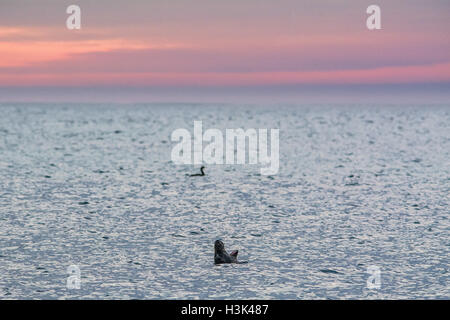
204, 43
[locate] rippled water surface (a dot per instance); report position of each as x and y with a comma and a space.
93, 186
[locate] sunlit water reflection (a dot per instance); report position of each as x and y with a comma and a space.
93, 185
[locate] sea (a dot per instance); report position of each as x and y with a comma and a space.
93, 207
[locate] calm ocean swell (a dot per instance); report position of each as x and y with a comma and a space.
93, 186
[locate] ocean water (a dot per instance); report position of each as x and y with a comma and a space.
94, 186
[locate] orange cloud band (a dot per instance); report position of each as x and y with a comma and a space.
385, 75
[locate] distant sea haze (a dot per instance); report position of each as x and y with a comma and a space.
405, 94
358, 208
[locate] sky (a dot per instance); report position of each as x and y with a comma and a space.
218, 50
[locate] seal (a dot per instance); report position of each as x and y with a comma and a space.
222, 256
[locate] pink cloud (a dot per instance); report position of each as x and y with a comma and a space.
384, 75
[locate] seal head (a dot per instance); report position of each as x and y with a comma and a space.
222, 256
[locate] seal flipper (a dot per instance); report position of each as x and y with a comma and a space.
234, 253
